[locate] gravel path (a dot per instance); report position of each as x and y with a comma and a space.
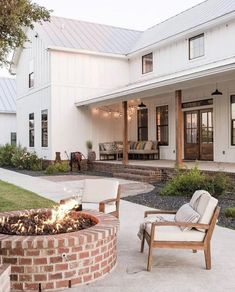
153, 199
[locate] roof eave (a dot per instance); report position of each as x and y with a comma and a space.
86, 52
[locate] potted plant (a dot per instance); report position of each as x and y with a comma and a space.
91, 155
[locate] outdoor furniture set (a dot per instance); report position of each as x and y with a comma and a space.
136, 150
191, 227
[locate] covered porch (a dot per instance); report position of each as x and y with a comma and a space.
196, 124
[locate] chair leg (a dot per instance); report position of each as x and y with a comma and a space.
207, 253
149, 265
142, 242
194, 251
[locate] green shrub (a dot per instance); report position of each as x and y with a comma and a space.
22, 159
57, 168
230, 212
185, 183
6, 152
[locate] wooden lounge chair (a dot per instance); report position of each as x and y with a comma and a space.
168, 234
102, 195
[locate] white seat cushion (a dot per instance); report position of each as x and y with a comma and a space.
174, 233
109, 208
97, 190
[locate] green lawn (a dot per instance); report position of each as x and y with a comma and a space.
16, 198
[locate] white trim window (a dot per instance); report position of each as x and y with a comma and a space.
196, 46
147, 63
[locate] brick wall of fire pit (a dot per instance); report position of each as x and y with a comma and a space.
61, 261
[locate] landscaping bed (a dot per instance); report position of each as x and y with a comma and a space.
153, 199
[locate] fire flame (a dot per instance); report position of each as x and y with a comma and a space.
60, 219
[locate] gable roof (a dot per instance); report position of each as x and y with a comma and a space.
7, 95
189, 19
76, 34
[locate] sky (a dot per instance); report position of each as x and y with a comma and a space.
135, 14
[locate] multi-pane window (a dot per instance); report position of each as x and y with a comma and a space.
31, 130
196, 47
44, 119
142, 124
233, 119
13, 138
162, 124
31, 74
147, 63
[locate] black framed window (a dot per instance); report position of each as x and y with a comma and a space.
232, 99
13, 138
31, 74
196, 46
142, 121
44, 120
147, 63
162, 124
31, 130
31, 79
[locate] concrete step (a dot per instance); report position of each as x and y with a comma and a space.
136, 177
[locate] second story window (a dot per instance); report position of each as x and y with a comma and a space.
196, 47
31, 74
31, 130
147, 63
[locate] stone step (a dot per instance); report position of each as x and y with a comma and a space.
136, 177
145, 172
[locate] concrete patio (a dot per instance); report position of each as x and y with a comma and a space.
173, 270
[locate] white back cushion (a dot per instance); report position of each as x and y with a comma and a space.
204, 204
96, 190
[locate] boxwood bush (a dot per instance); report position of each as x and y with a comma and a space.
186, 182
57, 168
230, 212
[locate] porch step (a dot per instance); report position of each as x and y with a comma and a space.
142, 175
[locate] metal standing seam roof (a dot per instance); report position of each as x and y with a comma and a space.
7, 95
186, 20
76, 34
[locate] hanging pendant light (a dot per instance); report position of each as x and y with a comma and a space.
141, 105
216, 92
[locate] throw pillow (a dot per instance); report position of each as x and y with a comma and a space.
148, 145
186, 214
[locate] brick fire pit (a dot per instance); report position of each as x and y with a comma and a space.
50, 262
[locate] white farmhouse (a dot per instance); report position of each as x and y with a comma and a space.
77, 80
7, 111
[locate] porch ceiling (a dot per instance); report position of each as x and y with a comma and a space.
165, 84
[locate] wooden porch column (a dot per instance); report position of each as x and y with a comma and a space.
125, 133
179, 127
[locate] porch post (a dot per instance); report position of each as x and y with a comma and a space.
125, 133
179, 127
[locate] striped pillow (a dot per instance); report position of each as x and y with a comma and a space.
186, 214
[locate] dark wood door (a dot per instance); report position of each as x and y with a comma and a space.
198, 135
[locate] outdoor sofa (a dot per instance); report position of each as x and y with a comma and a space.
136, 150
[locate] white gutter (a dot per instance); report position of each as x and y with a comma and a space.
86, 52
185, 34
155, 83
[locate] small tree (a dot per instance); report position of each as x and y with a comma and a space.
15, 16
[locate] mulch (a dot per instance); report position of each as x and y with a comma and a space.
153, 199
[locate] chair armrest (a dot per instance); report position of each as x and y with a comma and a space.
108, 201
146, 213
181, 224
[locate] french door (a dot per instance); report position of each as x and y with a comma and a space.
198, 134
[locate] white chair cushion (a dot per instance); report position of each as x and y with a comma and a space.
205, 205
186, 214
174, 233
97, 190
109, 208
